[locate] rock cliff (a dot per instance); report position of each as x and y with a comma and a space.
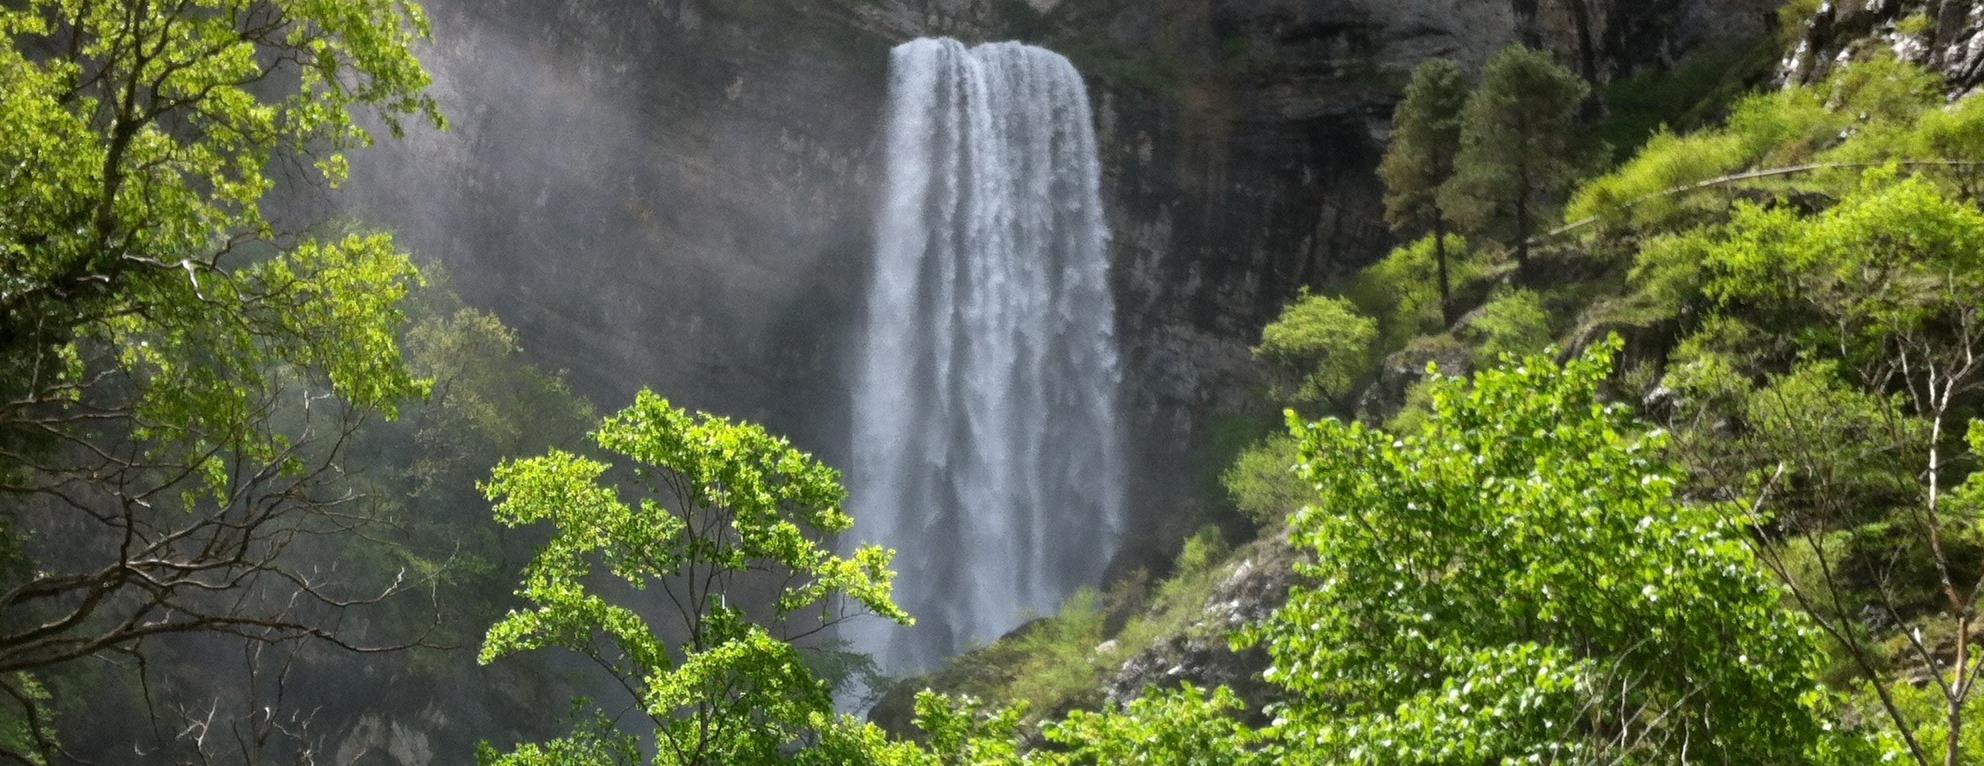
1946, 36
677, 193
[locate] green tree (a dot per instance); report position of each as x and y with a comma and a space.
717, 502
1186, 726
1849, 343
178, 378
1402, 290
1520, 147
1518, 583
1425, 140
1514, 323
1263, 484
1322, 345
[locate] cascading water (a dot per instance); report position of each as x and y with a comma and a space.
987, 447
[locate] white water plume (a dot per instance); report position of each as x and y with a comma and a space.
987, 446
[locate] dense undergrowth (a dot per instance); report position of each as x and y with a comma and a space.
1663, 462
1797, 285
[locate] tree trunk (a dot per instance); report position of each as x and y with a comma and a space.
1960, 690
1522, 231
1440, 256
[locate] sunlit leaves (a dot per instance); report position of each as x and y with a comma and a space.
715, 499
1186, 726
141, 140
1320, 342
1894, 258
1519, 563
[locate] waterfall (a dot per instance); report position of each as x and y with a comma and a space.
987, 450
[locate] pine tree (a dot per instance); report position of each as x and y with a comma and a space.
1425, 140
1519, 147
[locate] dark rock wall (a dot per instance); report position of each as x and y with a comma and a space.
667, 194
678, 193
1947, 36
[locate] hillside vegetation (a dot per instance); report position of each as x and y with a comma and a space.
1668, 462
1792, 298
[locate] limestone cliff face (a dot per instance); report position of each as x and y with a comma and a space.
669, 193
678, 193
1947, 36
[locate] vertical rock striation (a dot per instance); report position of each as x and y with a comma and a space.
986, 436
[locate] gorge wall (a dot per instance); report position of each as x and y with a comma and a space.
679, 193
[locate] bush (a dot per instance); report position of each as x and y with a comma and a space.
1322, 344
1402, 292
1514, 324
1263, 482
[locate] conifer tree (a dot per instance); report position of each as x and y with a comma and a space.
1519, 147
1425, 139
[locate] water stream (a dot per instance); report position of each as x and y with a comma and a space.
988, 450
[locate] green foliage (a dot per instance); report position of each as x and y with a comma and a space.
1792, 16
177, 375
1520, 147
1202, 550
1894, 258
1842, 341
1402, 291
1653, 100
718, 500
1513, 324
1883, 89
1425, 138
1876, 110
1263, 483
139, 160
24, 732
1185, 726
1057, 658
593, 742
965, 732
1322, 343
1177, 606
1636, 194
1667, 274
486, 402
418, 474
1922, 704
1058, 663
1915, 25
1418, 407
1786, 127
1425, 142
1485, 588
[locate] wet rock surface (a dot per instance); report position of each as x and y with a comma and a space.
679, 194
1203, 655
1946, 36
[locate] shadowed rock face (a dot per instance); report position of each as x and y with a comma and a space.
680, 193
664, 194
1947, 38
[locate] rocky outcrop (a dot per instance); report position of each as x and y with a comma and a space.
678, 193
1258, 585
1397, 374
1946, 36
379, 740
